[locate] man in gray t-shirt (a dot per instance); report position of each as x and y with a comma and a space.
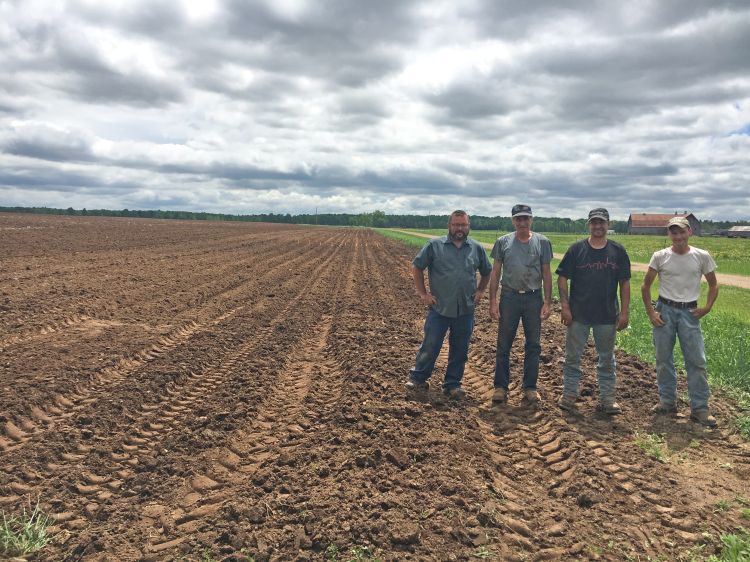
521, 266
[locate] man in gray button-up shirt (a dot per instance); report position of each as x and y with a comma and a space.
452, 262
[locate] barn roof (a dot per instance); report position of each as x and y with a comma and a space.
654, 219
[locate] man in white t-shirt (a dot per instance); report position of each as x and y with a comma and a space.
677, 314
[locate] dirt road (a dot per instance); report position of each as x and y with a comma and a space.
198, 390
742, 281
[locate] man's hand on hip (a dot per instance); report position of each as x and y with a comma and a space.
700, 312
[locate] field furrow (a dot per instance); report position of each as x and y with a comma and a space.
183, 391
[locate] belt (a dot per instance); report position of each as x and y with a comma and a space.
675, 304
523, 292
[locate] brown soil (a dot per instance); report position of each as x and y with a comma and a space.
179, 390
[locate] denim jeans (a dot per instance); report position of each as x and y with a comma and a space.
515, 307
604, 341
680, 322
435, 328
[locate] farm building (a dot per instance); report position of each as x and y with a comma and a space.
656, 223
739, 232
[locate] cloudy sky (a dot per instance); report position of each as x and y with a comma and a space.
245, 106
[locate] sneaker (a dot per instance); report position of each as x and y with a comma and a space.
500, 396
455, 393
704, 418
530, 396
567, 403
664, 409
610, 408
414, 386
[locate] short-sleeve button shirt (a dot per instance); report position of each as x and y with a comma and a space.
452, 273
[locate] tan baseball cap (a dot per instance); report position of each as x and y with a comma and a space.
682, 222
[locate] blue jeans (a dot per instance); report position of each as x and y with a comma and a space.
515, 307
435, 328
604, 341
679, 322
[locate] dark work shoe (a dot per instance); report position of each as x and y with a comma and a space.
704, 418
610, 408
530, 397
455, 393
413, 386
664, 409
567, 403
500, 396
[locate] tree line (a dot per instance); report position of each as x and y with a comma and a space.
377, 219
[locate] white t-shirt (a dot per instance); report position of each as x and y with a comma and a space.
680, 275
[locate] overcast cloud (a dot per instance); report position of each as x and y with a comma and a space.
352, 105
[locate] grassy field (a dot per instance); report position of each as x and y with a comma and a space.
731, 254
726, 329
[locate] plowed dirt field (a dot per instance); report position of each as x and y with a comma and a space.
214, 391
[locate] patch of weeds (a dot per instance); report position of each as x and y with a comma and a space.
207, 556
742, 500
694, 444
362, 554
623, 550
742, 425
483, 551
332, 553
721, 505
726, 465
736, 548
694, 554
745, 513
25, 534
653, 445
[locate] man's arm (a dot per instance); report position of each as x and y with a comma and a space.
653, 316
624, 316
424, 296
547, 287
497, 269
713, 292
566, 317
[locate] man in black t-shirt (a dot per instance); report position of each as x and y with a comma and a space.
596, 267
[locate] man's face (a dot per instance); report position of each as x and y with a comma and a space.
459, 227
522, 223
679, 236
598, 228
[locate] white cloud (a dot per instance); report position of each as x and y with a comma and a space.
349, 106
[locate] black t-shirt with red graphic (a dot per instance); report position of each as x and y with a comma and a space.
594, 276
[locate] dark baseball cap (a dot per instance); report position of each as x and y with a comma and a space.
600, 213
521, 210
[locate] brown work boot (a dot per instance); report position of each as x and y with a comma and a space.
610, 408
704, 418
455, 393
413, 386
664, 409
568, 403
500, 396
530, 397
